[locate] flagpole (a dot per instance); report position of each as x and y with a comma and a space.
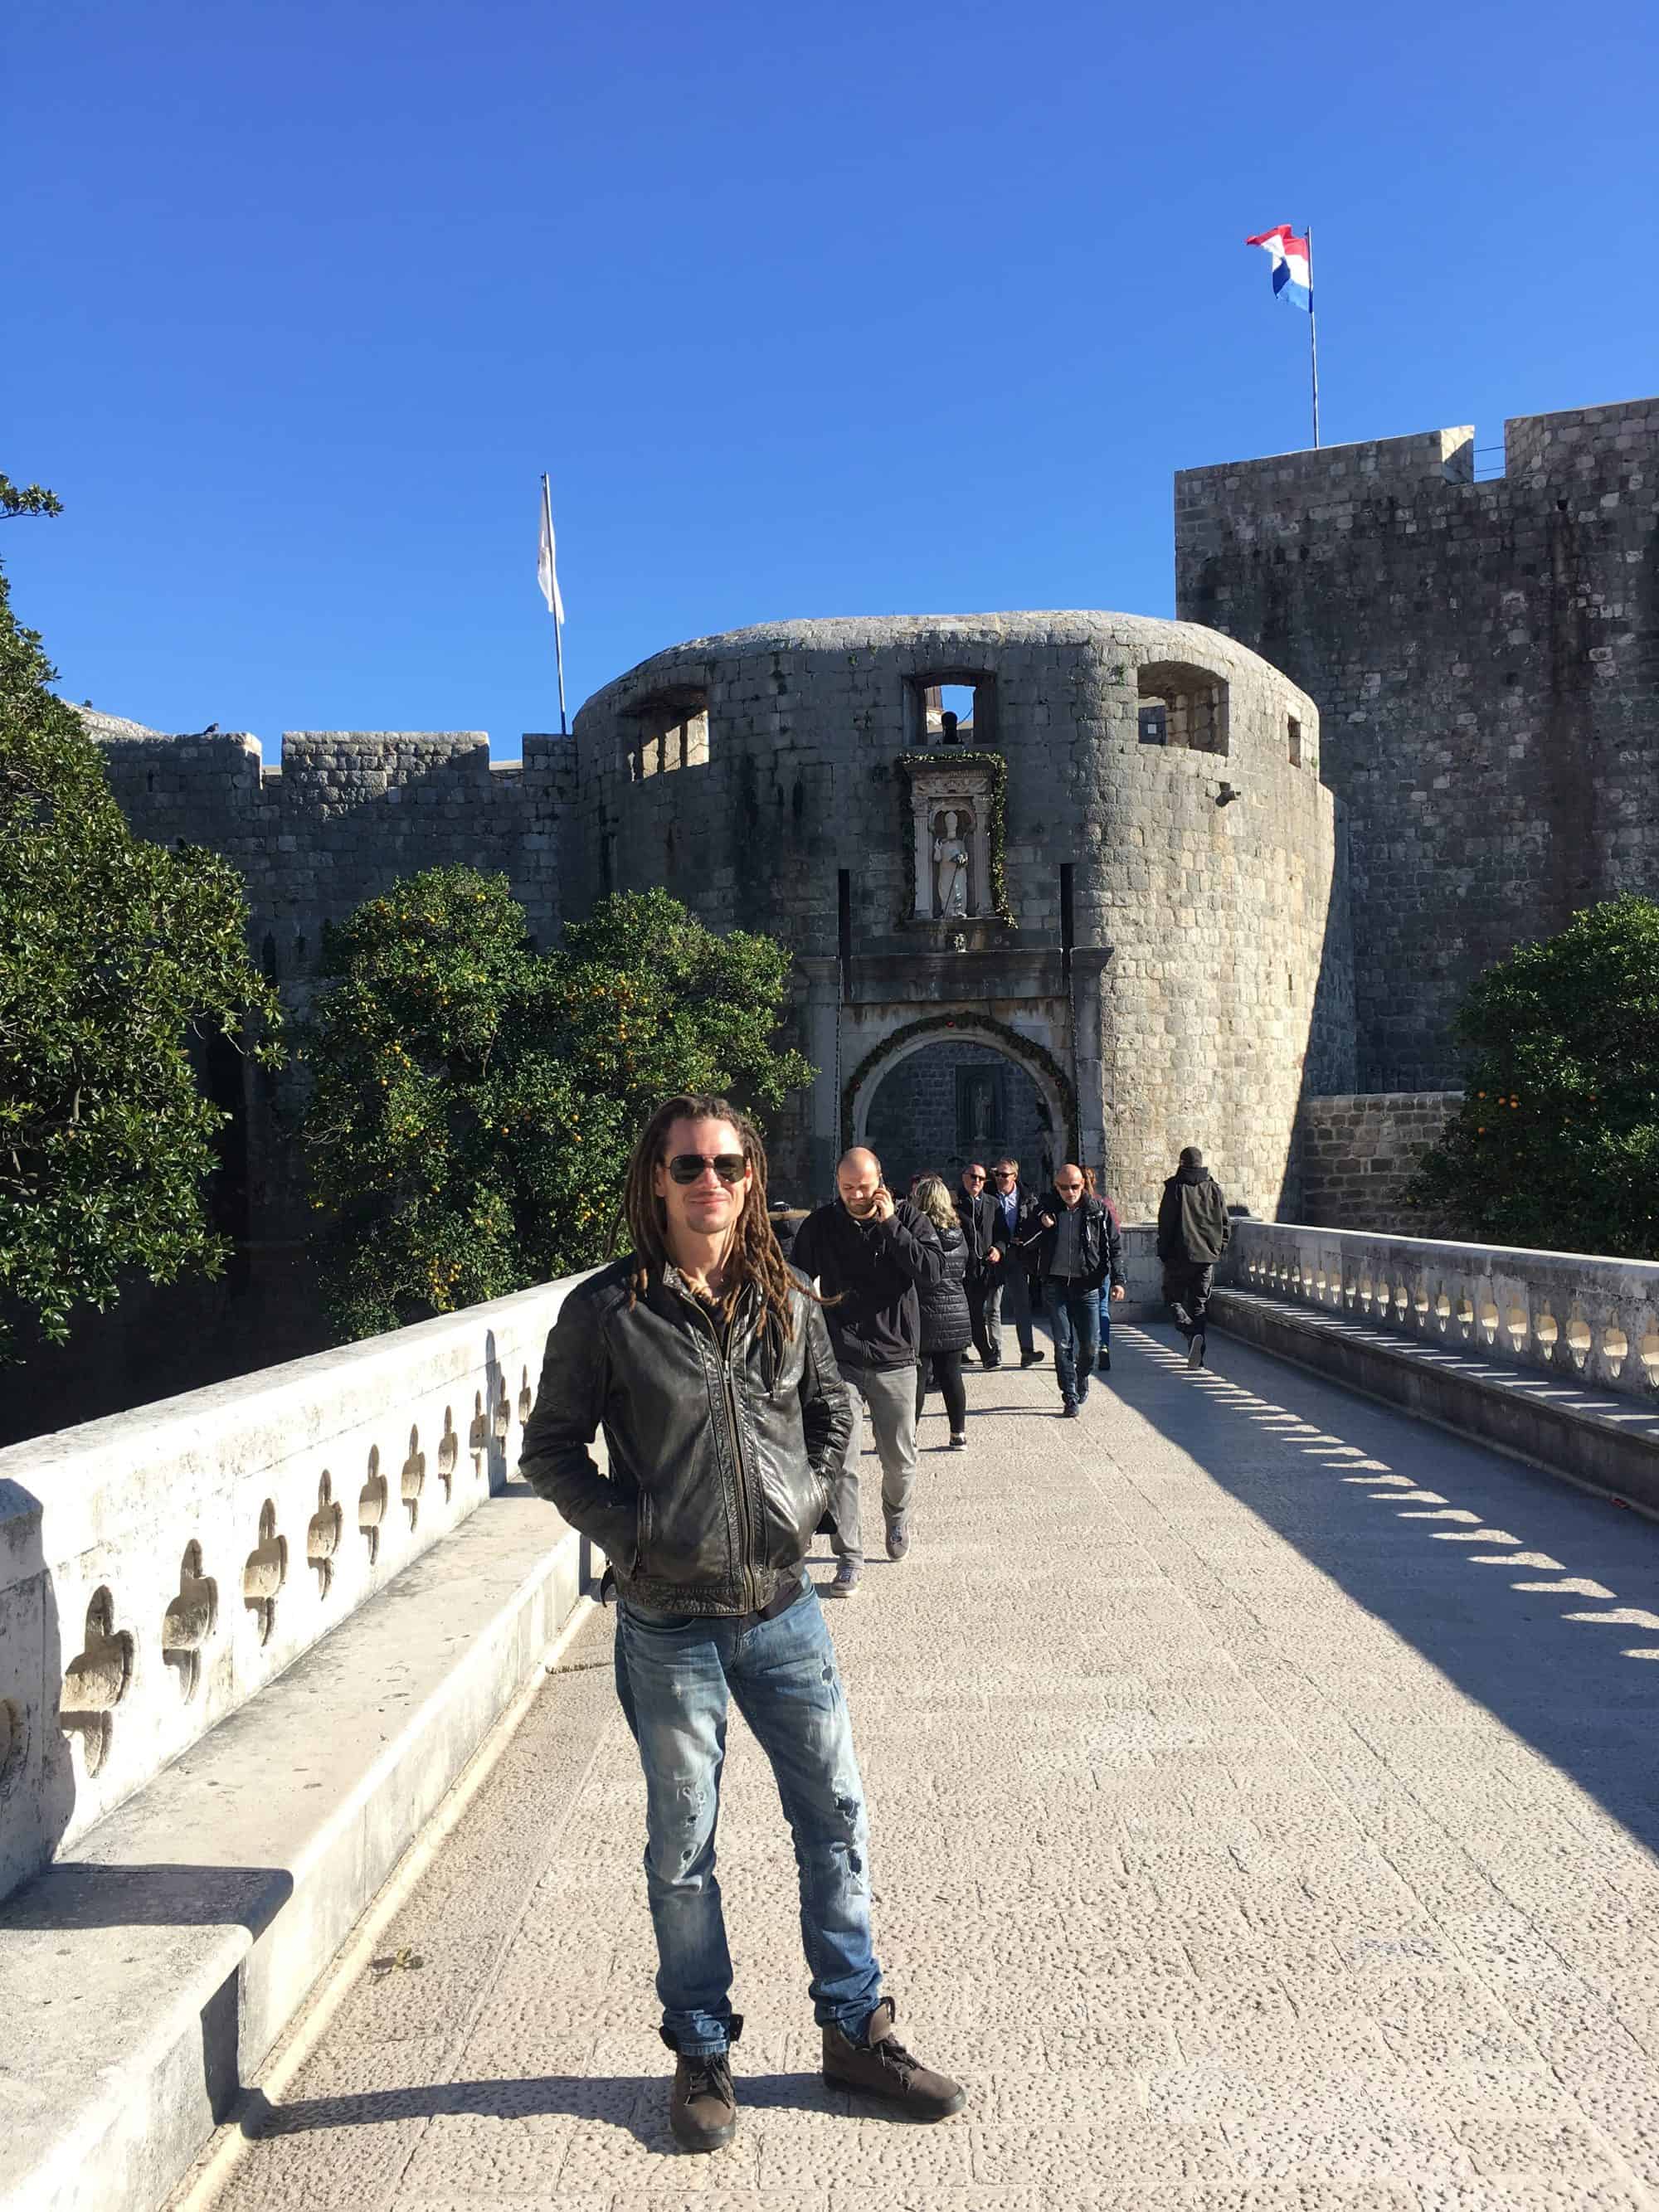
1313, 338
558, 627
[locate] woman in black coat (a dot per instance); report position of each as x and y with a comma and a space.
946, 1324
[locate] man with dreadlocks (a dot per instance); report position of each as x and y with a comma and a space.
705, 1360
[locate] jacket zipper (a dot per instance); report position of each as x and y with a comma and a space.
750, 1587
744, 1516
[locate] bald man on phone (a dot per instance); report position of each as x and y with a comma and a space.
870, 1254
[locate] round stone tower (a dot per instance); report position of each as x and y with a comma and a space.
1056, 884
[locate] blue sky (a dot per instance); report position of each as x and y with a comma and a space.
862, 310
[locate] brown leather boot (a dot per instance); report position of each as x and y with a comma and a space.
702, 2105
880, 2066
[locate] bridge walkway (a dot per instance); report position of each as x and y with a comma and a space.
1264, 1802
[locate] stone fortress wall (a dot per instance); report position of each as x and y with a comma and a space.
1485, 658
344, 816
1173, 948
1360, 1150
1170, 960
1223, 891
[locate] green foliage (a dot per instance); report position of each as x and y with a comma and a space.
112, 954
475, 1102
27, 499
1557, 1143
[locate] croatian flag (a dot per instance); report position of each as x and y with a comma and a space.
1292, 264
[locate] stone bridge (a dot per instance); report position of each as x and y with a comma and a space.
1262, 1778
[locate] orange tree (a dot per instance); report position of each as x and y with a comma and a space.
1557, 1141
473, 1101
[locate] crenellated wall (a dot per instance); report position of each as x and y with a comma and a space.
345, 815
1484, 655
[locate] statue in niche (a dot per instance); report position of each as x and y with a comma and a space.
951, 860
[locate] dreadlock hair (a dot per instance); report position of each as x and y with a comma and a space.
755, 1255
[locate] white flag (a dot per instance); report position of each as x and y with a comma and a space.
547, 574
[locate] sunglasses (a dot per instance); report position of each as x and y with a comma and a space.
974, 1178
730, 1167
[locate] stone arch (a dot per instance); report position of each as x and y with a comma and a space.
1052, 1083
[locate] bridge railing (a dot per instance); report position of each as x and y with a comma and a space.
1574, 1315
159, 1567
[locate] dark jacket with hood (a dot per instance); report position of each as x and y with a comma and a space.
946, 1324
1099, 1240
1192, 1225
720, 1443
871, 1270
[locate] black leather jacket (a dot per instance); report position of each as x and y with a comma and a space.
1099, 1244
720, 1456
871, 1270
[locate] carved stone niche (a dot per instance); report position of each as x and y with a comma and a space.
951, 809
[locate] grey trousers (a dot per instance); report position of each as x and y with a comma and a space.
891, 1394
1012, 1286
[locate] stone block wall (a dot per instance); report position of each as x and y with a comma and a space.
1485, 656
346, 814
1357, 1153
914, 1126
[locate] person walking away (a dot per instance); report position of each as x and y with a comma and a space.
1009, 1277
977, 1216
870, 1255
1193, 1230
1075, 1259
945, 1311
707, 1363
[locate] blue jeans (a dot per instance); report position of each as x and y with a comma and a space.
1074, 1313
674, 1674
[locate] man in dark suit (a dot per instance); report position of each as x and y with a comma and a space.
977, 1213
1014, 1209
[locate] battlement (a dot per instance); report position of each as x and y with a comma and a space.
386, 756
1319, 474
1591, 449
1481, 649
344, 815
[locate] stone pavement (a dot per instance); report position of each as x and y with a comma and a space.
1263, 1798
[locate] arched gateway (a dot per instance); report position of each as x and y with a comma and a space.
940, 1092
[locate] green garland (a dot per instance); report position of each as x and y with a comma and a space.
1016, 1047
997, 767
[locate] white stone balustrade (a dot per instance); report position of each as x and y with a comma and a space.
1579, 1317
158, 1568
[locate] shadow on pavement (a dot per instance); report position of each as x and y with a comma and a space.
1537, 1599
635, 2102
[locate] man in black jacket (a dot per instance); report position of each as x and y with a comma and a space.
870, 1252
979, 1218
1010, 1278
1193, 1229
709, 1366
1079, 1250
